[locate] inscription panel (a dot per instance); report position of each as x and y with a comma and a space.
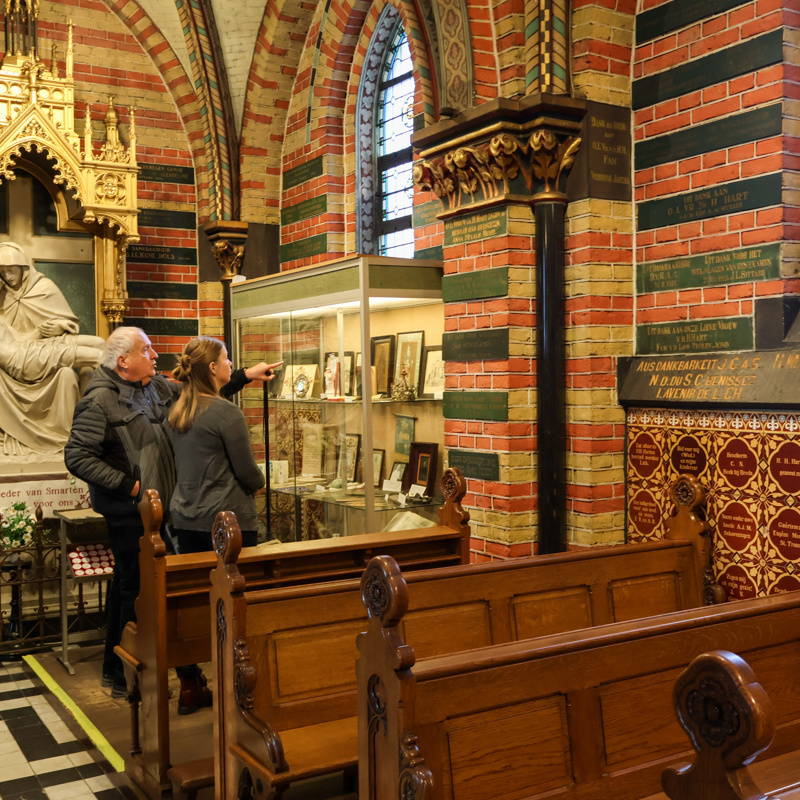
476, 405
749, 56
304, 248
304, 172
485, 466
733, 130
726, 198
475, 285
475, 227
710, 269
697, 336
768, 378
475, 345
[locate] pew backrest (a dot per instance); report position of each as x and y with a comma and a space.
587, 713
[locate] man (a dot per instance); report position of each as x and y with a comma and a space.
119, 447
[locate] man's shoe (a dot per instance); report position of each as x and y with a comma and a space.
194, 694
119, 689
107, 679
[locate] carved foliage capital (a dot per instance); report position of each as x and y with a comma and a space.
490, 170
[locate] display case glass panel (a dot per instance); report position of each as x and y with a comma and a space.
351, 430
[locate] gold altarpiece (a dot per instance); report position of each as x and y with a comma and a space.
94, 186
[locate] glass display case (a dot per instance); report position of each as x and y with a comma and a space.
350, 432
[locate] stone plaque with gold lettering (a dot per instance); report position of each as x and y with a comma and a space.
602, 167
761, 379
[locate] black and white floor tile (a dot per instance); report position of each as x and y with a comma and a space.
40, 757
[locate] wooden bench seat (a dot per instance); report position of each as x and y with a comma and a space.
585, 714
172, 627
285, 658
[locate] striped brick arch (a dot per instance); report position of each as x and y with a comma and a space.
179, 85
270, 85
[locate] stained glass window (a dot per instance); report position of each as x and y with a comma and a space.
394, 126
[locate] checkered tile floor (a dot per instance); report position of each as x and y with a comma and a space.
40, 757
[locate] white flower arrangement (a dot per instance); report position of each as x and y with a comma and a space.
17, 526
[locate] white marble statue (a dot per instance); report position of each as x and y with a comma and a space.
40, 347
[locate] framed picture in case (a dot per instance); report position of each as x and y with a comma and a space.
409, 353
422, 464
432, 372
382, 353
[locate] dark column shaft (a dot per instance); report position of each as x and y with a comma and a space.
551, 375
227, 325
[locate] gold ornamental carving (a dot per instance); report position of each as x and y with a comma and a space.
484, 172
98, 180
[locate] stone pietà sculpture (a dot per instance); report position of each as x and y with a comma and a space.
40, 348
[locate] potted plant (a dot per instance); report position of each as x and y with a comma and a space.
17, 526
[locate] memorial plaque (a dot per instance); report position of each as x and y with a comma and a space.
737, 463
156, 254
164, 218
784, 467
475, 285
737, 526
677, 14
476, 227
305, 172
160, 326
484, 466
688, 456
162, 290
425, 214
305, 210
698, 336
490, 345
710, 269
435, 253
644, 512
476, 405
722, 65
727, 132
762, 379
736, 582
304, 248
166, 173
714, 201
784, 532
644, 455
602, 167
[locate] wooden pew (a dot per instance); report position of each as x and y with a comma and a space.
584, 714
284, 659
730, 721
173, 606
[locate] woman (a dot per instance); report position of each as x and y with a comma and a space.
214, 461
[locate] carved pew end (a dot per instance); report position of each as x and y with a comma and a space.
729, 720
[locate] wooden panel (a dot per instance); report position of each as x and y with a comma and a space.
639, 723
314, 660
448, 629
551, 612
527, 744
646, 596
776, 670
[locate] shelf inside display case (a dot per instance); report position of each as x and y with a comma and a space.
360, 388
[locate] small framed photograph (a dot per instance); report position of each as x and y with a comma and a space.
422, 465
409, 356
348, 373
382, 355
332, 375
432, 373
398, 471
352, 445
378, 457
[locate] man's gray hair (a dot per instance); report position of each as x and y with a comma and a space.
121, 341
